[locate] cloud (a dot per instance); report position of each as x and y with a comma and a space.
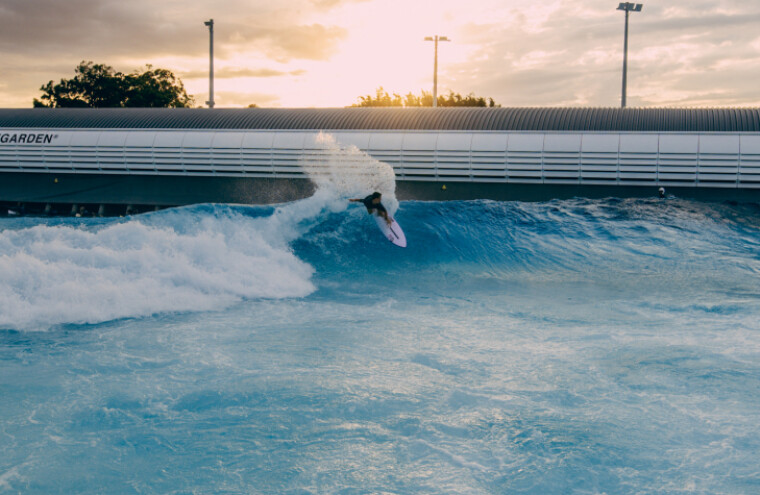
44, 40
284, 42
705, 55
331, 4
231, 73
97, 29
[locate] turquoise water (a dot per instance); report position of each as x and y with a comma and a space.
576, 346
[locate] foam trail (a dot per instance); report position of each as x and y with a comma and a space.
179, 260
347, 172
70, 274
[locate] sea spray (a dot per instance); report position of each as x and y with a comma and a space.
347, 172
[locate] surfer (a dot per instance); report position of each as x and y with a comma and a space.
372, 202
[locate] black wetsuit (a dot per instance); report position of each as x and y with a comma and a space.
372, 206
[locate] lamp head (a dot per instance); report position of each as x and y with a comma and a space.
630, 7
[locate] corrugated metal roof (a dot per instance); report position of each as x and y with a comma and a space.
460, 119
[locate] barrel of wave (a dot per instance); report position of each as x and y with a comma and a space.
347, 172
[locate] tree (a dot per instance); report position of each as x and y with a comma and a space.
155, 88
425, 99
382, 99
99, 86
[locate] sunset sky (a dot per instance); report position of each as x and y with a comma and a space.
326, 53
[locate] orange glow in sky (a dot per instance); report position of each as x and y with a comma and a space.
327, 53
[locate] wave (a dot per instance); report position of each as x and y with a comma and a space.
188, 259
463, 248
208, 257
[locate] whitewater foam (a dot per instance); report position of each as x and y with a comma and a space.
81, 274
347, 172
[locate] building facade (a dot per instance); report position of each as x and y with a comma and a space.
180, 156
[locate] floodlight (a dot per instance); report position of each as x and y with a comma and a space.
210, 24
436, 39
627, 7
630, 7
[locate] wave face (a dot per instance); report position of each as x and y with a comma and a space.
208, 257
579, 346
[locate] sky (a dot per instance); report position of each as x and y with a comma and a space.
327, 53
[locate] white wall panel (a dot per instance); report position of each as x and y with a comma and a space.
716, 144
750, 144
679, 143
289, 140
489, 141
112, 138
600, 143
228, 140
168, 139
526, 142
419, 141
85, 138
455, 141
358, 139
258, 140
140, 139
639, 143
386, 141
562, 142
198, 139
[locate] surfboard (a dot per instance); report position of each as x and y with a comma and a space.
392, 232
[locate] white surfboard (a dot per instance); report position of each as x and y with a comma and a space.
392, 232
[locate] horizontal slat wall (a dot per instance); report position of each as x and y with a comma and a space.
749, 162
726, 160
599, 159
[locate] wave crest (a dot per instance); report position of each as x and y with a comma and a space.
161, 263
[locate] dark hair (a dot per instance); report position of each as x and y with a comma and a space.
376, 195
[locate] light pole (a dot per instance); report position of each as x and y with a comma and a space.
627, 7
436, 39
210, 24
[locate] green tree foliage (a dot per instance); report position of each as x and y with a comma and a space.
424, 99
99, 86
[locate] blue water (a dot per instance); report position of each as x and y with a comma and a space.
580, 346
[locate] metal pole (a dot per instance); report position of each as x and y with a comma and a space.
435, 74
436, 39
210, 24
625, 59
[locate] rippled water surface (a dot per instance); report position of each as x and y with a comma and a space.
577, 346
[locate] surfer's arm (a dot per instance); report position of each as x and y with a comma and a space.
384, 214
355, 200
